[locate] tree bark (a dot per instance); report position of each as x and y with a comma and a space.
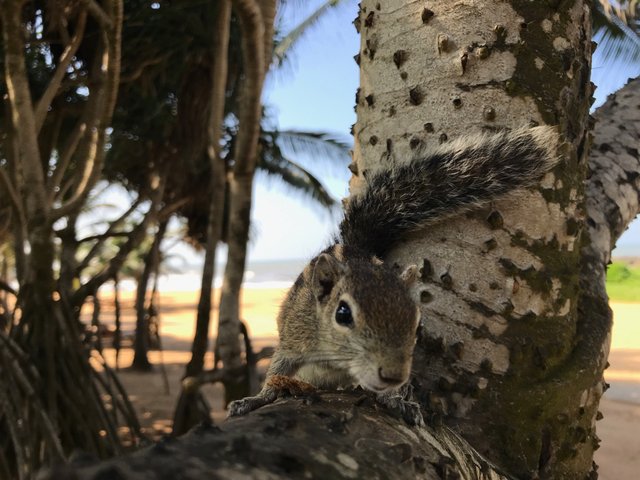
28, 169
503, 356
333, 436
612, 189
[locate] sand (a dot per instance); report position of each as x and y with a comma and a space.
618, 457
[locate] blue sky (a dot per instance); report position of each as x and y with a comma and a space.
315, 91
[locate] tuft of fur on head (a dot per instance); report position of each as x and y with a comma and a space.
454, 177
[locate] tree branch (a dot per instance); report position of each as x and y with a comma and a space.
103, 236
99, 14
135, 238
7, 288
141, 67
253, 48
63, 162
337, 436
107, 234
29, 171
65, 60
613, 190
13, 195
106, 99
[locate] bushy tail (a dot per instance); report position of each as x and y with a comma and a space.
457, 176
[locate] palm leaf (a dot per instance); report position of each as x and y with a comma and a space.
298, 179
329, 149
616, 30
285, 44
293, 175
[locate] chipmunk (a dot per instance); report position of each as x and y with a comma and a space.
350, 319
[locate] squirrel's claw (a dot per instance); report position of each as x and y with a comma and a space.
248, 404
276, 386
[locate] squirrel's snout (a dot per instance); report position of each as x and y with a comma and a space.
391, 376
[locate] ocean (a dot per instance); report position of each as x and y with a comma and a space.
270, 274
259, 274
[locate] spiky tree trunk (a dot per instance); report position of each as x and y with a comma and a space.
504, 357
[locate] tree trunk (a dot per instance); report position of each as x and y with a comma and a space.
142, 340
5, 313
329, 436
54, 400
68, 264
256, 20
214, 228
190, 404
503, 355
96, 325
228, 346
117, 312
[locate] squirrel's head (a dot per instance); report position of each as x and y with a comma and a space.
368, 317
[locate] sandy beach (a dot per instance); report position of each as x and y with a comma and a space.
618, 457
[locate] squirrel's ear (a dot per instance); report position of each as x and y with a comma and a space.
326, 272
410, 275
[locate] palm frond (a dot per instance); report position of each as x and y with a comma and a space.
617, 31
330, 148
626, 11
284, 45
294, 176
300, 180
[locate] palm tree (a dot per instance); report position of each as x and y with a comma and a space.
173, 132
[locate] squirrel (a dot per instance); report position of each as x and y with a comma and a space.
350, 319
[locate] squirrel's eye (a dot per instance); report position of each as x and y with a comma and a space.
343, 315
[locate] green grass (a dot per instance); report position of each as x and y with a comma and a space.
623, 282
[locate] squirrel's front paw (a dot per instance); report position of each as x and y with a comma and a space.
275, 386
246, 405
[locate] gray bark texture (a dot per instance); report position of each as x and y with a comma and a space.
327, 436
511, 352
516, 326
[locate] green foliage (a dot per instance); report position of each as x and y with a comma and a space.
162, 112
623, 282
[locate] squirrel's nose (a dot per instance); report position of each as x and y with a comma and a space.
390, 376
